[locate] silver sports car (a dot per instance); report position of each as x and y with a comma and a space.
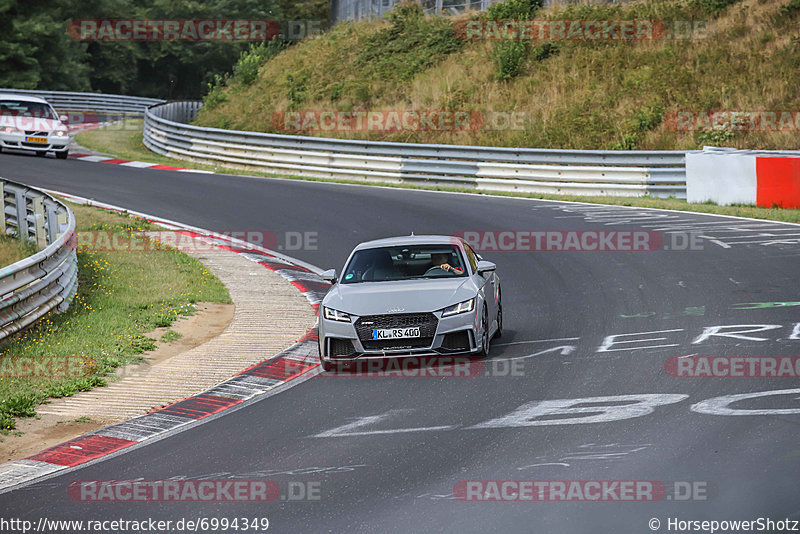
410, 296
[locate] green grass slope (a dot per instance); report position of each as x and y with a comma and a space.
570, 93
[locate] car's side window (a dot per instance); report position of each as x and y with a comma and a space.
473, 260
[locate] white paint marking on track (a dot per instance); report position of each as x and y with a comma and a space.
95, 159
138, 164
566, 350
536, 341
721, 405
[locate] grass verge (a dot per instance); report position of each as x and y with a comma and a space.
12, 250
122, 295
129, 145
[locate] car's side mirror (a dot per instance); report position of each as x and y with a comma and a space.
486, 267
63, 118
329, 276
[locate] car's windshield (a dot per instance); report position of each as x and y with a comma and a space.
17, 108
403, 263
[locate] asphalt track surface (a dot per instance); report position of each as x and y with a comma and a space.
397, 472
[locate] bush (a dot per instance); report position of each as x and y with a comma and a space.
713, 7
296, 92
216, 93
411, 44
245, 71
513, 9
790, 9
509, 57
544, 51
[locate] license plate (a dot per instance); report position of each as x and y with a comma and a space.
36, 139
395, 333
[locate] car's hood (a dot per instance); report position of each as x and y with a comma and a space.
413, 296
35, 124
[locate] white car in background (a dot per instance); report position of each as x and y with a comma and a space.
31, 123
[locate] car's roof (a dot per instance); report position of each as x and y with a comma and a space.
409, 240
22, 98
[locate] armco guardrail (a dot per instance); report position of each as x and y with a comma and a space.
586, 172
64, 101
47, 280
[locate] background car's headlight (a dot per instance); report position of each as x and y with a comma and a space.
335, 315
461, 307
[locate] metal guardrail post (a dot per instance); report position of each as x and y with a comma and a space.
22, 215
38, 222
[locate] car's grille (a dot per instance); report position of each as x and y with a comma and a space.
456, 341
338, 348
32, 132
427, 323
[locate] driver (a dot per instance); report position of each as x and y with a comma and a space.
439, 261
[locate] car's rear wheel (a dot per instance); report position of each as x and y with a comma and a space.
63, 154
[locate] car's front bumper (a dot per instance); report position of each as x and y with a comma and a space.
18, 141
454, 335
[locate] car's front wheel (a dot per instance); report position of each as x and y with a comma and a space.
63, 154
499, 332
485, 339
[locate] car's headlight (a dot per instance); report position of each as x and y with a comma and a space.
461, 307
10, 129
61, 133
335, 315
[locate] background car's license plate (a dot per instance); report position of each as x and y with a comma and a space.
395, 333
36, 139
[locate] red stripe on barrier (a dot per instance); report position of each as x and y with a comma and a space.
79, 450
199, 406
116, 161
778, 181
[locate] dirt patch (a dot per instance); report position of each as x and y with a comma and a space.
44, 431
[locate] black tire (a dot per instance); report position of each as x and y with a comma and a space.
63, 154
499, 332
485, 339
